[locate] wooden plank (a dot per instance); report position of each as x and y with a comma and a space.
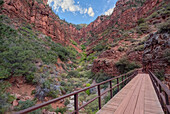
140, 103
152, 104
137, 97
125, 102
134, 98
118, 98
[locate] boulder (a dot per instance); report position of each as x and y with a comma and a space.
15, 103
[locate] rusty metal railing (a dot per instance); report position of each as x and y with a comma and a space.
124, 78
162, 91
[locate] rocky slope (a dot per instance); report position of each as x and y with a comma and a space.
125, 16
125, 22
156, 53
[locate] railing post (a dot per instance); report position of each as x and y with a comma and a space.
111, 92
76, 103
99, 95
160, 90
122, 82
117, 84
166, 99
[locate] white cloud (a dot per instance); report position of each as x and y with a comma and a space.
85, 11
69, 5
91, 12
110, 11
108, 1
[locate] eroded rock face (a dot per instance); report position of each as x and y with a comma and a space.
106, 63
156, 53
125, 16
41, 17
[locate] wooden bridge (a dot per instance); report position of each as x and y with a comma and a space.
137, 97
142, 94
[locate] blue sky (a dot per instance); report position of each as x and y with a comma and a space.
81, 11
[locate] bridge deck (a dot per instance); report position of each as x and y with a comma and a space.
137, 97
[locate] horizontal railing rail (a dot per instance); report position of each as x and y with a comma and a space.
124, 78
162, 91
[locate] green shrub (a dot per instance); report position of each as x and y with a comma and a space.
124, 65
11, 98
164, 27
33, 92
88, 91
63, 83
4, 105
66, 102
121, 49
139, 48
160, 74
53, 94
26, 104
99, 47
61, 110
1, 2
83, 47
165, 13
73, 74
154, 15
73, 42
106, 98
92, 108
49, 108
5, 99
39, 1
101, 76
144, 27
140, 21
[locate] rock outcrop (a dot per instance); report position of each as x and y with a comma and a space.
106, 63
40, 15
156, 54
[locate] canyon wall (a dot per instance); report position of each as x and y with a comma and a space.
40, 15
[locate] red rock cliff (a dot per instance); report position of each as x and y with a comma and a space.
125, 16
42, 17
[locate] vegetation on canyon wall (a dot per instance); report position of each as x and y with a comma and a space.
21, 48
106, 52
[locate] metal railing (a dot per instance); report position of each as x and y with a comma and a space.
162, 91
124, 78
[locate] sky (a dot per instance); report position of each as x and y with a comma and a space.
81, 11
